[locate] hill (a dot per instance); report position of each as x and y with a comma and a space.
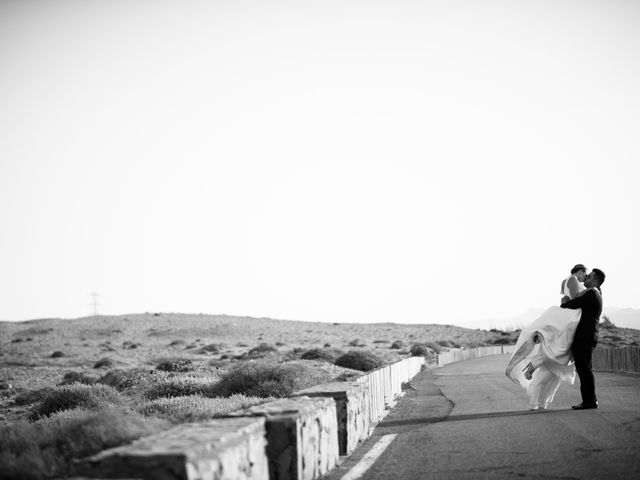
144, 339
624, 317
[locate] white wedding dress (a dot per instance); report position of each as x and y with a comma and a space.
546, 343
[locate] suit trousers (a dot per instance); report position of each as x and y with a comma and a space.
582, 357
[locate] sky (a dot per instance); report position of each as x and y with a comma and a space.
342, 161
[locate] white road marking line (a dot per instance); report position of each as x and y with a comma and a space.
369, 459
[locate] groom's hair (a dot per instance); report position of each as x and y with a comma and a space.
600, 274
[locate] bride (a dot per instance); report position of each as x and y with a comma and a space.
542, 358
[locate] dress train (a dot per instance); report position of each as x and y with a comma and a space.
546, 344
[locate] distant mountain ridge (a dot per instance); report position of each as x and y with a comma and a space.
624, 317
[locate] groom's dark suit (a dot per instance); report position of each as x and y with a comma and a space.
585, 340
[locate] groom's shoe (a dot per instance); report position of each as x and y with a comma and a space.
585, 406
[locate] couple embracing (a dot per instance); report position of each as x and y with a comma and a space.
561, 342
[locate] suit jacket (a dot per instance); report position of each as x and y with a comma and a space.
587, 330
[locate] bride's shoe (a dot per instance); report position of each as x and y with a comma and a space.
528, 371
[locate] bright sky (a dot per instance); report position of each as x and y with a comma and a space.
353, 161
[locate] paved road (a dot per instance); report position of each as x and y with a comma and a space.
468, 421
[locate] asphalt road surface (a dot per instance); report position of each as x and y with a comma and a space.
467, 420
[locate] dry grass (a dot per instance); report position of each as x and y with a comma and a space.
76, 395
269, 379
46, 448
196, 408
132, 381
181, 386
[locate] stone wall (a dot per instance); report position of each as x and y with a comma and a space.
352, 411
302, 436
225, 449
299, 438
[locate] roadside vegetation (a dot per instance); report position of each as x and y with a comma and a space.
69, 389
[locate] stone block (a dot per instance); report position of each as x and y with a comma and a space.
223, 449
352, 411
302, 436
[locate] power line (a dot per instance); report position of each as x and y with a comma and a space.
95, 303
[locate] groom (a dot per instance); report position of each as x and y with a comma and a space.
586, 336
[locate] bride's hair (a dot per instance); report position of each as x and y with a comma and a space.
577, 268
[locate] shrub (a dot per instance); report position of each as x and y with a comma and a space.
77, 377
32, 396
326, 354
398, 344
420, 350
46, 448
280, 344
265, 379
500, 341
176, 343
345, 376
261, 350
210, 348
181, 387
196, 408
103, 362
434, 346
357, 343
57, 354
445, 343
132, 381
217, 363
294, 354
359, 360
76, 395
176, 365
